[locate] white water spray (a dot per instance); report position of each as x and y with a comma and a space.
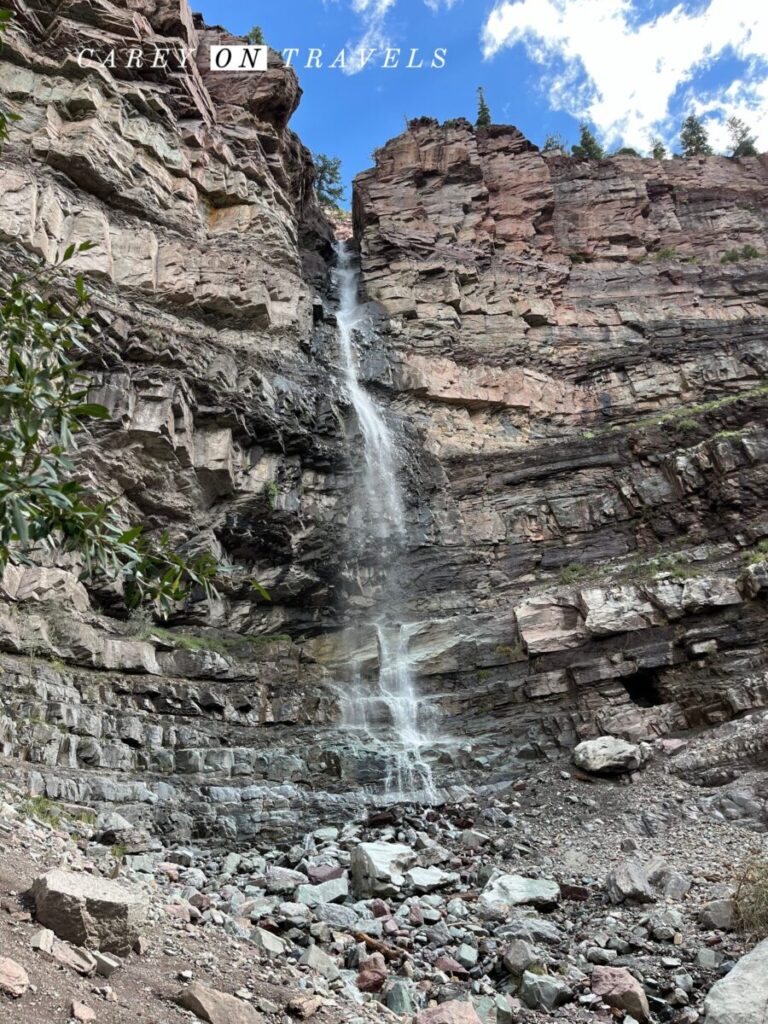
408, 775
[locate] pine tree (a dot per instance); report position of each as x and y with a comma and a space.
328, 184
742, 141
587, 148
483, 110
658, 150
255, 37
694, 138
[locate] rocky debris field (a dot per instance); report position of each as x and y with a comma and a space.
594, 890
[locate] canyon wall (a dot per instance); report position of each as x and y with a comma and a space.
580, 347
573, 354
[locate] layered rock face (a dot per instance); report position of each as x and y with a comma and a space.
227, 427
578, 350
571, 354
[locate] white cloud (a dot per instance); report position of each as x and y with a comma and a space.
374, 35
605, 65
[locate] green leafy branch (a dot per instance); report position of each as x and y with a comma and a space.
44, 408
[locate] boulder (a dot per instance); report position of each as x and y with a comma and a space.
453, 1012
608, 755
544, 991
741, 996
319, 961
14, 980
81, 1012
90, 911
619, 989
217, 1007
507, 891
629, 882
425, 880
333, 890
378, 869
719, 914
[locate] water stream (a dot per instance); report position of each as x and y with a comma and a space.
382, 511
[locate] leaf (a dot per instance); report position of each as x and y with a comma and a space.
69, 252
130, 535
261, 591
91, 409
20, 523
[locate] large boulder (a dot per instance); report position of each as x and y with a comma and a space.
741, 996
619, 989
608, 755
378, 869
504, 892
217, 1007
89, 911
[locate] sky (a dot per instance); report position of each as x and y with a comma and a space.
633, 69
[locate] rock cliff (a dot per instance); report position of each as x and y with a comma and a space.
573, 354
578, 349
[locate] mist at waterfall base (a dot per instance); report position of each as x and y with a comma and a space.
380, 509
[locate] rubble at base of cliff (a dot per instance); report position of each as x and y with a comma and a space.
568, 896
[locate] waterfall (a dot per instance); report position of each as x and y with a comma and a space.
381, 510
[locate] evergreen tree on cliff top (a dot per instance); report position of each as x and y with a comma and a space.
328, 184
587, 148
483, 110
693, 137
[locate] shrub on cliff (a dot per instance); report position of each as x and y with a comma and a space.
742, 141
255, 37
44, 506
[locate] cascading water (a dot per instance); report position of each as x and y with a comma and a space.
382, 512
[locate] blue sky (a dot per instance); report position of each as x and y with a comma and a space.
633, 68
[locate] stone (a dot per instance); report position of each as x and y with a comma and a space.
451, 1012
333, 891
378, 869
372, 975
518, 956
399, 997
506, 891
14, 980
268, 941
319, 961
608, 755
304, 1007
544, 991
82, 1012
217, 1007
629, 882
90, 911
106, 965
719, 915
742, 995
618, 988
429, 879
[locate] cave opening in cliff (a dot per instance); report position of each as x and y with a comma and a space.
643, 688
